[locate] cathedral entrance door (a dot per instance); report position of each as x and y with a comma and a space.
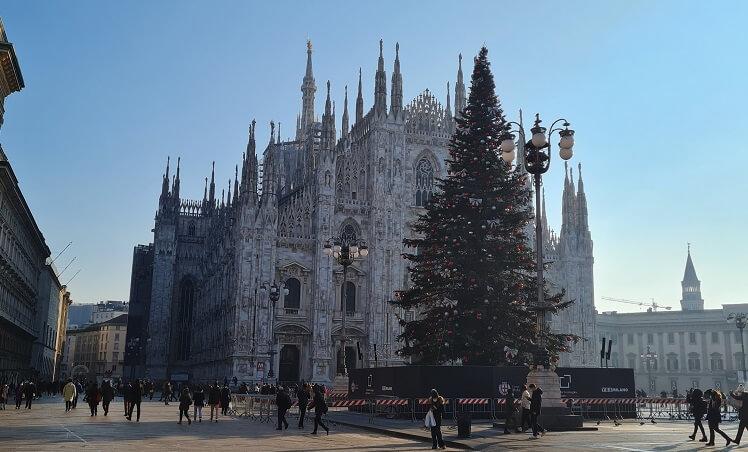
289, 364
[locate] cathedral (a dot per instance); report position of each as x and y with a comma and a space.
200, 291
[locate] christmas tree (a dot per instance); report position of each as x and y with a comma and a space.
472, 269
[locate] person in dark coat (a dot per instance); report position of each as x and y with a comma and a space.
78, 391
303, 395
698, 407
214, 399
742, 412
29, 391
20, 389
283, 403
136, 397
126, 394
715, 417
536, 402
185, 400
107, 395
199, 398
436, 406
320, 408
510, 422
93, 396
225, 399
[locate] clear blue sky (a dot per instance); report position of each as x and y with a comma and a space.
655, 90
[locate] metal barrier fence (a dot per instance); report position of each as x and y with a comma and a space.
262, 408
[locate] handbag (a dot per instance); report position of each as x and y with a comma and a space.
429, 421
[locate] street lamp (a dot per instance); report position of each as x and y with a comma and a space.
537, 160
274, 292
741, 320
345, 251
649, 358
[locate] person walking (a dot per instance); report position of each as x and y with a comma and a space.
107, 395
136, 397
199, 399
282, 403
225, 399
167, 392
435, 405
714, 417
320, 408
126, 395
510, 422
525, 403
214, 398
29, 392
78, 391
185, 400
19, 394
536, 402
739, 394
3, 395
92, 397
302, 395
68, 393
698, 407
151, 389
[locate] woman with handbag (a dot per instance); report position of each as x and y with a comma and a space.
320, 408
434, 419
714, 416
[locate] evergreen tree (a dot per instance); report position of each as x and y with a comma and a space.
472, 271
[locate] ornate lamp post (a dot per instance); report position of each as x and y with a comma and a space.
741, 320
537, 160
274, 292
345, 251
650, 358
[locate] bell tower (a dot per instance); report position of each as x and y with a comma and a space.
691, 286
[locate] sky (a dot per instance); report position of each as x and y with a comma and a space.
655, 91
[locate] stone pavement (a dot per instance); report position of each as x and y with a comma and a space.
46, 427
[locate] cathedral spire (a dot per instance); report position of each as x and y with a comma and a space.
236, 184
359, 100
176, 180
205, 192
165, 181
396, 99
344, 127
212, 192
380, 85
567, 203
279, 133
228, 198
582, 222
272, 132
448, 108
328, 123
459, 89
544, 221
308, 88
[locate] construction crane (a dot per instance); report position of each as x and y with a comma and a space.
650, 306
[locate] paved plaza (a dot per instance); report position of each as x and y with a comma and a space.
46, 427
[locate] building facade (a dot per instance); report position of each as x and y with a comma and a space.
11, 79
677, 350
48, 312
212, 259
107, 310
98, 350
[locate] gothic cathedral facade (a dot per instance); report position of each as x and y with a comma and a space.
209, 314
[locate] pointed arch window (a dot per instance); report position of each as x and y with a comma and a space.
350, 297
424, 182
292, 301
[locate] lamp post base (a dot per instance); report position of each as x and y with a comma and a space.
554, 415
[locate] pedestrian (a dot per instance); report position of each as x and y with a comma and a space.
698, 407
151, 389
20, 389
126, 394
320, 409
185, 400
78, 391
29, 392
525, 403
136, 397
3, 395
435, 404
302, 395
199, 398
93, 396
536, 402
714, 417
68, 393
167, 392
740, 395
214, 398
510, 422
225, 399
107, 395
282, 403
